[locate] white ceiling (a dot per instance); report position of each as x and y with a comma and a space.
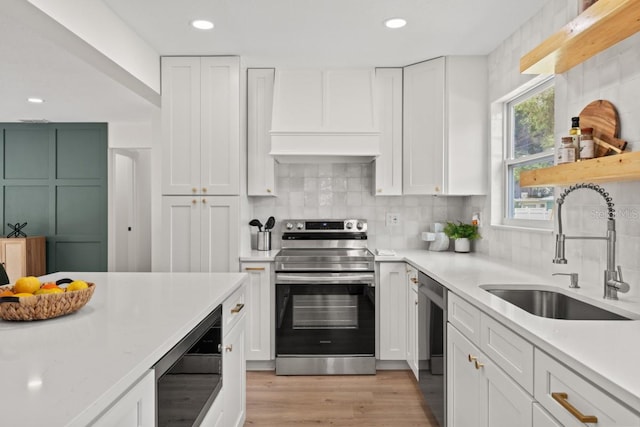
328, 33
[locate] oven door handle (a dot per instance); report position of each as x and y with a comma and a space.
322, 279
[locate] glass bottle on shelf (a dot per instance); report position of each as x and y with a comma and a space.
575, 132
567, 152
587, 146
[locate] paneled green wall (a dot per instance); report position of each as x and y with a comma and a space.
54, 177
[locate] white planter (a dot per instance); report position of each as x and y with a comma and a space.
462, 245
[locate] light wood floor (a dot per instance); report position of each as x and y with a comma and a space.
390, 398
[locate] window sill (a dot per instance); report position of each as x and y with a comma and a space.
523, 228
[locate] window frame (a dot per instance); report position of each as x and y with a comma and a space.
508, 160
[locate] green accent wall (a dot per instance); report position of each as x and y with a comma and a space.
54, 177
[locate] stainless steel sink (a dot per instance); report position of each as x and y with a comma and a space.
552, 304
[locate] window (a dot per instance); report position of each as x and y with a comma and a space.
529, 137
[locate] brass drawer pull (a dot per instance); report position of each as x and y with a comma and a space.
561, 398
237, 308
254, 268
229, 347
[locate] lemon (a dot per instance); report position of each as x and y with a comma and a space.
48, 291
28, 284
77, 285
23, 294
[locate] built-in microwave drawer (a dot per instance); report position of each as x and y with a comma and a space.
233, 308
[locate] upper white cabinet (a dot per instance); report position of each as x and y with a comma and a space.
324, 114
201, 233
445, 126
261, 166
388, 166
200, 125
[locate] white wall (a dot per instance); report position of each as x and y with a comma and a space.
613, 75
345, 191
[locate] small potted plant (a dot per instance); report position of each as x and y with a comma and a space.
462, 234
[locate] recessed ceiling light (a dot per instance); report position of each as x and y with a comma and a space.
395, 23
36, 100
202, 24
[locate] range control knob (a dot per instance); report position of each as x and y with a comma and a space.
289, 226
349, 225
300, 226
359, 225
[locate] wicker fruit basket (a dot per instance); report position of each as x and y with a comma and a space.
45, 306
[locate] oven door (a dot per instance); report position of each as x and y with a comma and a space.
325, 314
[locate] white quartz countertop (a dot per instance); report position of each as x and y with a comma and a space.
606, 352
67, 370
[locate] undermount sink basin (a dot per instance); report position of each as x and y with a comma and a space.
551, 304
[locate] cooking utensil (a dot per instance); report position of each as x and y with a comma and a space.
256, 223
602, 116
271, 221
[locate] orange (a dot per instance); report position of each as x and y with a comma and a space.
49, 285
6, 293
28, 284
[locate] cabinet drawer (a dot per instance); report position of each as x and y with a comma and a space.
585, 397
233, 309
465, 317
510, 351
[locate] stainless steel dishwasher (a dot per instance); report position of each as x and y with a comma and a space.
432, 345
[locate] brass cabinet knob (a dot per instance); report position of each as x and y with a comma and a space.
237, 308
229, 348
268, 190
479, 365
472, 358
204, 189
194, 201
194, 190
379, 190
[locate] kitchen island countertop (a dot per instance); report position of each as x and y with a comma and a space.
606, 352
66, 371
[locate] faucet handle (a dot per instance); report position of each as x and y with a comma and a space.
574, 279
620, 274
621, 286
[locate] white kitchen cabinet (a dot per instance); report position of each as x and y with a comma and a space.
136, 408
201, 233
234, 367
215, 415
445, 126
260, 297
393, 318
541, 418
388, 165
554, 378
261, 172
200, 125
479, 393
412, 319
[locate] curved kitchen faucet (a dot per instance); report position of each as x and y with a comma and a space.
612, 279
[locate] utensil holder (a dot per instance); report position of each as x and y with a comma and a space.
264, 240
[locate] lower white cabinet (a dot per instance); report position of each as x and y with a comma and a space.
542, 418
215, 416
260, 299
201, 233
234, 365
136, 408
392, 306
479, 393
569, 397
412, 319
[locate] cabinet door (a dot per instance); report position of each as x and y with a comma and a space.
393, 318
424, 122
259, 317
136, 408
542, 418
388, 166
14, 258
412, 319
261, 165
181, 228
463, 381
219, 234
219, 152
234, 376
180, 125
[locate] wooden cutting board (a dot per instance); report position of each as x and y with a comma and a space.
602, 116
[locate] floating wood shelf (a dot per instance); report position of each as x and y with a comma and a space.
599, 27
619, 167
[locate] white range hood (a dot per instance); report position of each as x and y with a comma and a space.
324, 116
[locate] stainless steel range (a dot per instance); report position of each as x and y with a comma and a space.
325, 299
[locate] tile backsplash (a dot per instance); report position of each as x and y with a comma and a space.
345, 191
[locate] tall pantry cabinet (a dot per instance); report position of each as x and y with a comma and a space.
201, 163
